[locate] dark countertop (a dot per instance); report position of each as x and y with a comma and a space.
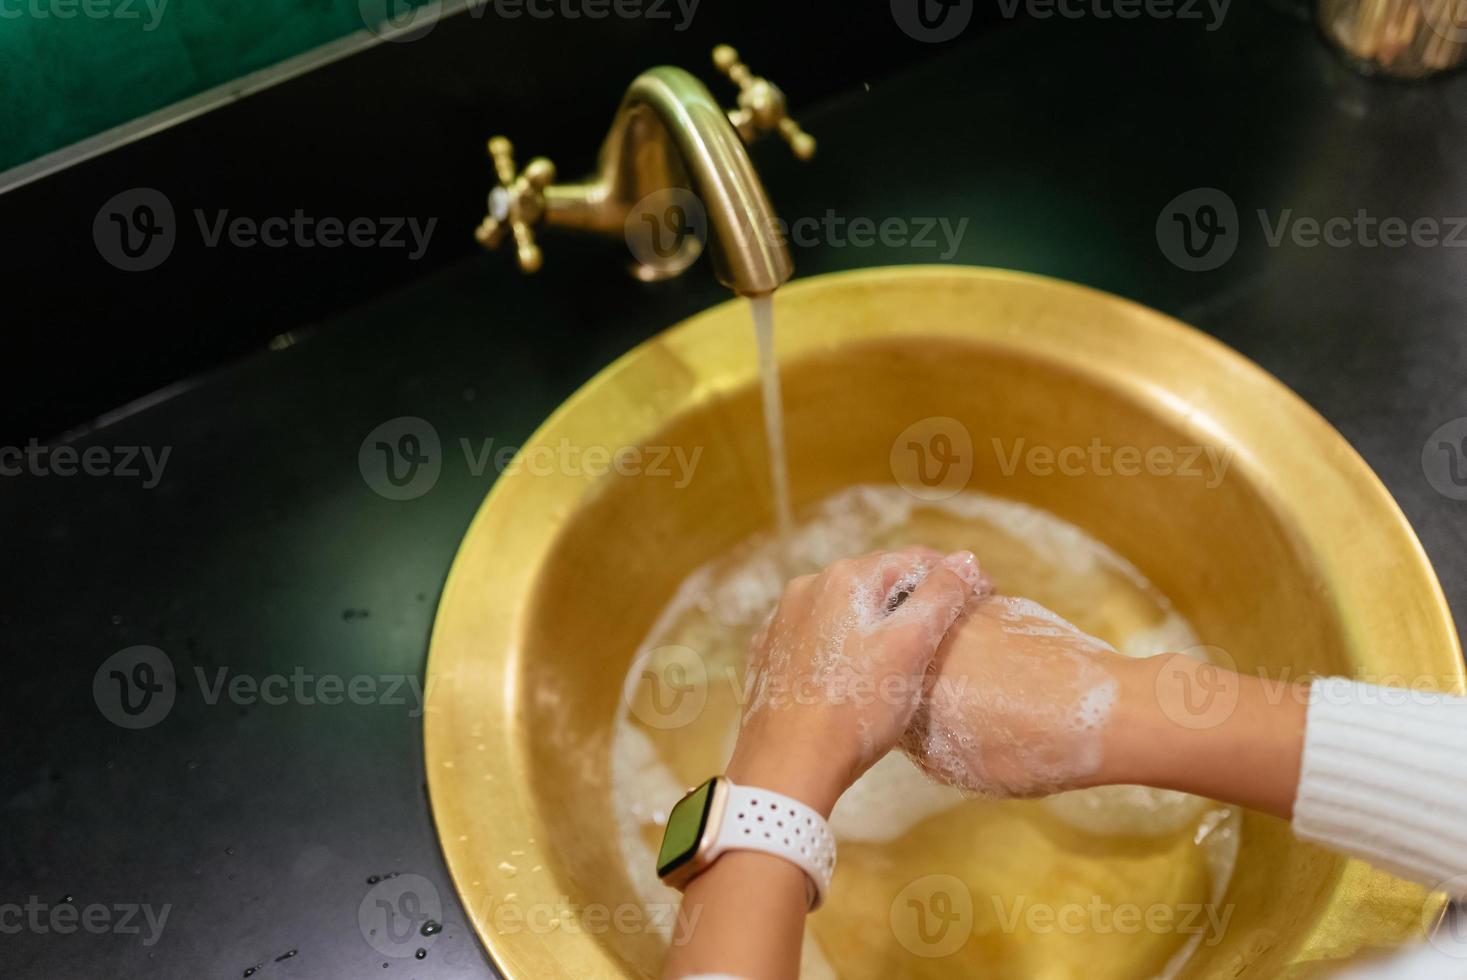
262, 550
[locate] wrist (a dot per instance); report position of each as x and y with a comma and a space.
797, 774
1184, 725
1162, 706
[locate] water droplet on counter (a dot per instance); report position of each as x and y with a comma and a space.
431, 928
421, 953
286, 955
508, 869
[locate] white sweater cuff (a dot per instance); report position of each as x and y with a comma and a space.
1384, 778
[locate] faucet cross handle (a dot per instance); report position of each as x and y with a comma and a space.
516, 203
761, 105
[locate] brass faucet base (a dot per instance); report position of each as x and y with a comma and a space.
669, 135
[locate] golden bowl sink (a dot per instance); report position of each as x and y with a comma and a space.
1298, 561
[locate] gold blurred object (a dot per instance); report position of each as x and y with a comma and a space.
762, 105
516, 203
1404, 38
1298, 561
669, 135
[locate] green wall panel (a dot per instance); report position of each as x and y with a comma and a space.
70, 69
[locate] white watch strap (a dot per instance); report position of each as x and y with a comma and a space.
760, 820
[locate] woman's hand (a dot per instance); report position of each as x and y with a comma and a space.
1024, 704
834, 677
838, 670
1019, 703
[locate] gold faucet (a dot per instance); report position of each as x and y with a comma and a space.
670, 136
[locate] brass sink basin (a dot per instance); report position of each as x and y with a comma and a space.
1297, 560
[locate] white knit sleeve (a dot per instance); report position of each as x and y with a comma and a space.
1384, 778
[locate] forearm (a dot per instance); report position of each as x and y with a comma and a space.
745, 915
1182, 725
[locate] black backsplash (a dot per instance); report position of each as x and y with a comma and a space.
395, 132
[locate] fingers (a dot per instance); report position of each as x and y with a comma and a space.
900, 572
917, 627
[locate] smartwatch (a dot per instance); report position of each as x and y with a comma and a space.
721, 816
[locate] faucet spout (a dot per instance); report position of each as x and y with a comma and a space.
670, 133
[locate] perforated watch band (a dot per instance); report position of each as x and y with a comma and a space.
760, 820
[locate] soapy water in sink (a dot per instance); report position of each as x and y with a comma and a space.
999, 873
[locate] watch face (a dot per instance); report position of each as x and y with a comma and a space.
685, 827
